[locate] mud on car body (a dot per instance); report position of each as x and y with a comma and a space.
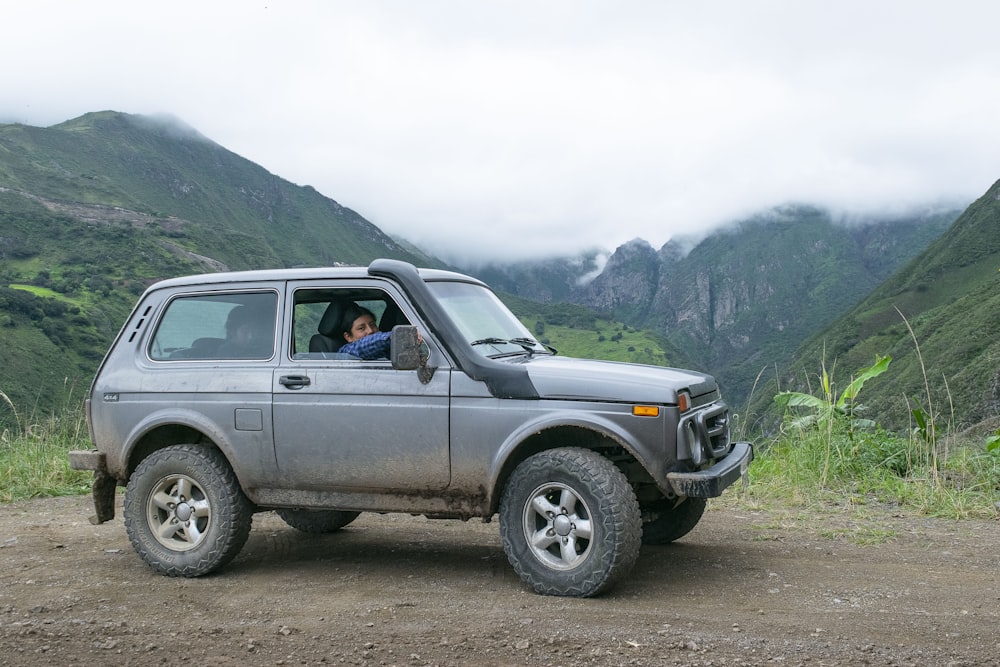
206, 421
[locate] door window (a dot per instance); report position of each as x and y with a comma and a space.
321, 318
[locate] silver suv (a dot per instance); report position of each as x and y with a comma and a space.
232, 393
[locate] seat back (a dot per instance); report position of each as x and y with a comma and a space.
391, 317
328, 338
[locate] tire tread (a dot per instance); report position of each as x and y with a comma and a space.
234, 521
621, 518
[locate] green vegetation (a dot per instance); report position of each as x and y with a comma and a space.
875, 469
608, 340
948, 298
829, 456
33, 453
993, 442
94, 210
831, 409
577, 331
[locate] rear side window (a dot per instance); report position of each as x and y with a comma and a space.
217, 326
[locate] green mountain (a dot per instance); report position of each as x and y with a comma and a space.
950, 297
160, 180
95, 209
744, 298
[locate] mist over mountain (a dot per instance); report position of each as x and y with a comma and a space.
938, 316
742, 299
550, 280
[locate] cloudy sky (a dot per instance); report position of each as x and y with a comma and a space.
501, 129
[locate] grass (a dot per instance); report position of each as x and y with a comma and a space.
604, 340
33, 455
873, 472
46, 293
829, 456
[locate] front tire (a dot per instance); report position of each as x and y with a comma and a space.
570, 522
316, 521
185, 512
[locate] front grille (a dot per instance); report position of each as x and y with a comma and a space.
703, 434
717, 427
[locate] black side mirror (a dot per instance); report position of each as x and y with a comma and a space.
404, 348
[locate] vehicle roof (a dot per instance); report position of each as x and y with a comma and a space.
314, 273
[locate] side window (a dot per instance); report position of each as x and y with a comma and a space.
322, 316
217, 326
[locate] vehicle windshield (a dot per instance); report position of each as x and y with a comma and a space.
484, 321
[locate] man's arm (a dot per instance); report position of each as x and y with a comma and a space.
372, 346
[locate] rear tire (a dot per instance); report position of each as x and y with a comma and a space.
316, 521
667, 522
570, 522
185, 512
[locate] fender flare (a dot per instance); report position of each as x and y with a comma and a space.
500, 463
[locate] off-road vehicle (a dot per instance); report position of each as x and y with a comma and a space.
227, 394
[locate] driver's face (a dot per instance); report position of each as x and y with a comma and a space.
361, 327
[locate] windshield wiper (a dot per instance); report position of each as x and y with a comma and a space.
526, 343
489, 341
548, 348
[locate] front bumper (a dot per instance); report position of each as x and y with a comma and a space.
711, 482
103, 489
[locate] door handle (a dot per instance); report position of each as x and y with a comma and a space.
294, 381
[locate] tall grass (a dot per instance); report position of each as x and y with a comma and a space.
829, 455
876, 468
33, 453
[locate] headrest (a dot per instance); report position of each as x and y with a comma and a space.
330, 322
391, 317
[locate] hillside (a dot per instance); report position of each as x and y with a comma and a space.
758, 291
95, 209
581, 332
950, 295
744, 298
155, 177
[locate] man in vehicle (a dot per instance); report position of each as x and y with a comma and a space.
364, 340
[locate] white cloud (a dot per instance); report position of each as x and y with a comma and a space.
506, 129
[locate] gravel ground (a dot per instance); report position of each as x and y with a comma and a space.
745, 587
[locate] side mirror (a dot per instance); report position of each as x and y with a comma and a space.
404, 348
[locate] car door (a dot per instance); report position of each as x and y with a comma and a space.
344, 423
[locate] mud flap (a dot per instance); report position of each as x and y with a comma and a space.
103, 492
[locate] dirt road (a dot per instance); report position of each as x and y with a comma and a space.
745, 588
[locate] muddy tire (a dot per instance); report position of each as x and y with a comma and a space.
570, 522
667, 522
316, 521
185, 512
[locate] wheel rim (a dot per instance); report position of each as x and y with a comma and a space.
178, 512
557, 526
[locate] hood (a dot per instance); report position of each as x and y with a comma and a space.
586, 379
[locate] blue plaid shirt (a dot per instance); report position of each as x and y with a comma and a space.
372, 346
